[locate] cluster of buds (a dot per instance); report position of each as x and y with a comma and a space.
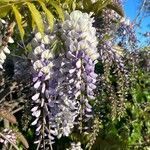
75, 146
8, 134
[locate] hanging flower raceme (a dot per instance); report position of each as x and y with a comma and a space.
45, 81
80, 40
52, 110
65, 82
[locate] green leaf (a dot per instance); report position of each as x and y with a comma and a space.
136, 132
22, 139
4, 1
87, 4
99, 5
37, 18
58, 9
19, 21
50, 16
4, 10
7, 1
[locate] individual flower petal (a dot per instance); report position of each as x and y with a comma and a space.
43, 88
38, 36
46, 54
35, 79
37, 65
46, 40
79, 73
2, 55
1, 66
77, 93
42, 102
6, 50
92, 86
72, 70
35, 121
70, 55
36, 96
78, 85
10, 40
38, 128
37, 84
79, 63
36, 113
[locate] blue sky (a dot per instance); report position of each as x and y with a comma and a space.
131, 8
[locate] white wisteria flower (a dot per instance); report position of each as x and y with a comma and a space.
3, 48
79, 33
81, 42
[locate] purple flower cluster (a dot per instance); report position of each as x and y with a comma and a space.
45, 91
64, 83
81, 42
52, 110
